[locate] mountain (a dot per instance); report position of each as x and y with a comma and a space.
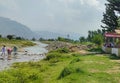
48, 35
54, 35
10, 27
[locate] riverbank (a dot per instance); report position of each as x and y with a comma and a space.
34, 53
14, 42
61, 66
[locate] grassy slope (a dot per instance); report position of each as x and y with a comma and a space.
61, 67
19, 43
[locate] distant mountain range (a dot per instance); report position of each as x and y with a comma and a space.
10, 27
54, 35
48, 35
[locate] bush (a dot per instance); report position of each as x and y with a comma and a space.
75, 55
96, 50
52, 56
75, 60
113, 56
65, 72
63, 50
69, 70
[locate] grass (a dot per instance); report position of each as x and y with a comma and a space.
13, 42
64, 67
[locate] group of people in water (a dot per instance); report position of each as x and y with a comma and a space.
7, 51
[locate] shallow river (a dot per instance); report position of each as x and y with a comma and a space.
34, 53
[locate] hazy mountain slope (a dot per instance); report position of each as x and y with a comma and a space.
10, 27
49, 35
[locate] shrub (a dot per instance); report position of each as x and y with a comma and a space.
52, 56
75, 55
75, 60
96, 50
63, 50
65, 72
69, 70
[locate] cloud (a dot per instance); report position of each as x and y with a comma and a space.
9, 4
94, 3
82, 2
55, 15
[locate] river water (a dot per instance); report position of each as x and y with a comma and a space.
34, 53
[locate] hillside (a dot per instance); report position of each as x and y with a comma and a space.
48, 35
10, 27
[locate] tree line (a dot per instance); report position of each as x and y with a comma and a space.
111, 22
10, 37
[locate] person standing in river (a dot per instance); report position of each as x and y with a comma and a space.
14, 50
9, 50
3, 50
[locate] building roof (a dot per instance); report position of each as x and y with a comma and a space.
111, 34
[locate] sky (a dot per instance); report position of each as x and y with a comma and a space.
76, 16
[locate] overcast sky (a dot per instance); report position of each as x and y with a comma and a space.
77, 16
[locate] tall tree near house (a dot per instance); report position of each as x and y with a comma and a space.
115, 4
119, 22
110, 19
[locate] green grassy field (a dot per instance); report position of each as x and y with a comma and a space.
62, 66
13, 42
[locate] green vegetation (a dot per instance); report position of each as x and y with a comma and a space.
12, 42
110, 17
62, 67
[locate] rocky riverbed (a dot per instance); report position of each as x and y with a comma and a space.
57, 44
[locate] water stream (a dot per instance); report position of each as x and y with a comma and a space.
34, 53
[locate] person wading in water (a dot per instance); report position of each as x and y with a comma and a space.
3, 51
9, 50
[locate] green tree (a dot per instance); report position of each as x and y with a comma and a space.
61, 39
51, 39
33, 39
110, 18
115, 4
41, 39
119, 22
90, 35
18, 38
0, 36
98, 39
82, 39
10, 37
